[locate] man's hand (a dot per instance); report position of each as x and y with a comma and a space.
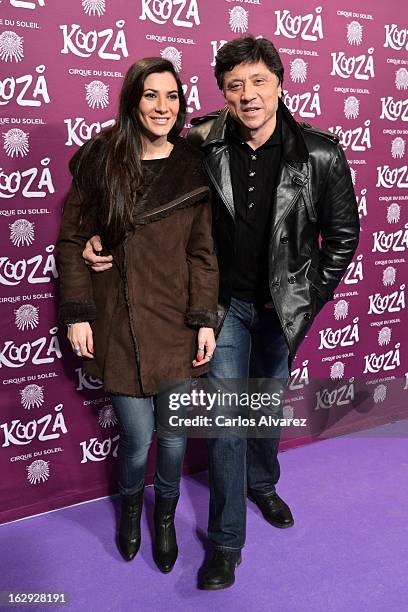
206, 346
97, 262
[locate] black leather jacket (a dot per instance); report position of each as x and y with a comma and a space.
314, 202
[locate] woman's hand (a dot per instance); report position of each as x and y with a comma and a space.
80, 337
206, 346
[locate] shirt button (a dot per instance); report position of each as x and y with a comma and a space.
292, 279
251, 188
253, 157
284, 239
252, 173
251, 204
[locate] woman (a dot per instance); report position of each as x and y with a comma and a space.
141, 323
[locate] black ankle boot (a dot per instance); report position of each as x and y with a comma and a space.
165, 545
220, 570
129, 527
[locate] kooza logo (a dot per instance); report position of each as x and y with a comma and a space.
390, 302
385, 361
309, 27
398, 148
395, 38
358, 139
104, 43
11, 47
26, 4
394, 241
25, 181
394, 109
360, 67
15, 142
97, 94
392, 177
35, 270
78, 131
183, 13
174, 56
238, 19
333, 338
298, 70
94, 7
354, 274
354, 33
24, 86
306, 104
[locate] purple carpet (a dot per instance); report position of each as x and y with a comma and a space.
348, 550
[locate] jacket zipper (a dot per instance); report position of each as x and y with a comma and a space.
131, 320
172, 204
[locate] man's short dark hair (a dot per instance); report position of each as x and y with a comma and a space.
247, 50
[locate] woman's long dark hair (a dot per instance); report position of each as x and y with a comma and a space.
118, 162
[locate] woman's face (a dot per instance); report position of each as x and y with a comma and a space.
159, 104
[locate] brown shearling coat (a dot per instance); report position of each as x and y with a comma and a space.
145, 311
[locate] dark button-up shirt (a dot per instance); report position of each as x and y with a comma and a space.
253, 176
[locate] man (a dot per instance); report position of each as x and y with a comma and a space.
286, 226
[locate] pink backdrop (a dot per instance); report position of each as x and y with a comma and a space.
61, 68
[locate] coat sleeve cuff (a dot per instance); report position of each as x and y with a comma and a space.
201, 318
77, 312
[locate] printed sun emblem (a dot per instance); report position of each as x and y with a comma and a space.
393, 213
351, 107
288, 412
337, 370
94, 7
389, 275
38, 471
26, 317
97, 94
238, 19
401, 78
353, 175
21, 232
354, 33
107, 416
298, 70
32, 396
380, 393
11, 47
15, 142
340, 310
174, 56
398, 147
384, 336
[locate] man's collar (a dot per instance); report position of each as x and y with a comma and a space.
233, 132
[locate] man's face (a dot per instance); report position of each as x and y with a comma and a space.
252, 92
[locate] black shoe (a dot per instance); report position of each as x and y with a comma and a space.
165, 546
274, 509
129, 526
220, 571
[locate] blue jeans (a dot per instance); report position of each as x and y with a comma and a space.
136, 418
251, 344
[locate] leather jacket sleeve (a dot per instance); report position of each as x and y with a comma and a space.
338, 222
